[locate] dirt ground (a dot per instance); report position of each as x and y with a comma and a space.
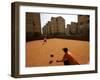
38, 54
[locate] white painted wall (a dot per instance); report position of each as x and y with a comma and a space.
5, 40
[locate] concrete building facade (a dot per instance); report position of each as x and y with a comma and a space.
68, 29
55, 26
83, 25
80, 28
74, 28
33, 25
60, 25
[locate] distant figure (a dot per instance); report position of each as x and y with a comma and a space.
45, 40
67, 59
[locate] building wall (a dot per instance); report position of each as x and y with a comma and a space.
74, 28
83, 24
61, 25
44, 30
81, 28
49, 27
33, 24
55, 26
68, 29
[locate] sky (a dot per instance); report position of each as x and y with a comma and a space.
47, 17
